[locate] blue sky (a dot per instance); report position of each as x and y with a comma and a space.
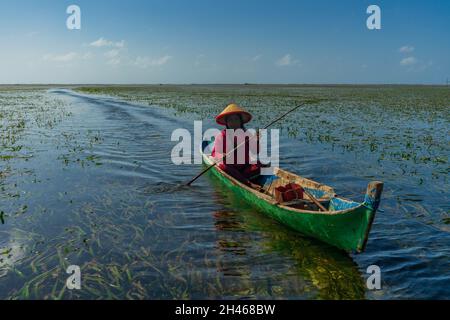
265, 41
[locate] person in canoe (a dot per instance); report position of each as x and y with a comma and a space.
239, 163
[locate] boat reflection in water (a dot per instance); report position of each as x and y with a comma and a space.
260, 258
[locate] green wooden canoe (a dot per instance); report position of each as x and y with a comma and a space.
345, 225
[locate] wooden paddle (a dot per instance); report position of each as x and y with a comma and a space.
321, 207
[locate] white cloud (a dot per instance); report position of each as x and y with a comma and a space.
32, 34
199, 59
409, 61
256, 58
120, 44
114, 61
416, 65
87, 55
102, 42
161, 61
113, 57
286, 60
146, 62
142, 62
67, 57
406, 49
112, 53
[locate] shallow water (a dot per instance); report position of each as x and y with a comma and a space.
93, 185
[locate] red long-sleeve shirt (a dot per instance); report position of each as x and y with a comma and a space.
242, 162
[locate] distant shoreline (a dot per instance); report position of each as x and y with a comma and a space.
293, 85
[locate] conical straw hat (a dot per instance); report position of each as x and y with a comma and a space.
233, 109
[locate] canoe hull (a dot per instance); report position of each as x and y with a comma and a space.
345, 229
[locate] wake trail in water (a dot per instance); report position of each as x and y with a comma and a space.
137, 140
165, 187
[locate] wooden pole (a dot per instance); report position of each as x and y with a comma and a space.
321, 207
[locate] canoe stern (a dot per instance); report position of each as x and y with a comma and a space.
373, 195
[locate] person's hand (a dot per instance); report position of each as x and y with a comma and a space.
255, 186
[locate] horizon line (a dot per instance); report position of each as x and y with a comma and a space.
224, 84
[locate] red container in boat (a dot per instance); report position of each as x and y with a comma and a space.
289, 192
